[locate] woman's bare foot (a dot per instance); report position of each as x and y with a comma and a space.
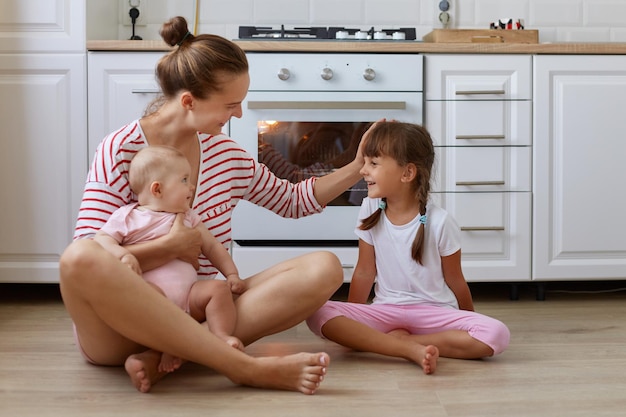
169, 363
143, 369
299, 372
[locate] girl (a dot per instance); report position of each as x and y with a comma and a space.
422, 307
118, 317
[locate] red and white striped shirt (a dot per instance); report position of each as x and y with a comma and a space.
227, 174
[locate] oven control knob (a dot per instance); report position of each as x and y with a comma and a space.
369, 74
284, 74
327, 74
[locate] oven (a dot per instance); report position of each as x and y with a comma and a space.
303, 116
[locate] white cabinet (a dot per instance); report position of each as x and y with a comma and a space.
121, 85
579, 221
43, 145
479, 110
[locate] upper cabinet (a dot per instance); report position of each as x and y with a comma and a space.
43, 140
579, 168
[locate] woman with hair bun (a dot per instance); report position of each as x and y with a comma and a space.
121, 320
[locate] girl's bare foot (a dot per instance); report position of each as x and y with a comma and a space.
169, 363
300, 372
142, 368
428, 358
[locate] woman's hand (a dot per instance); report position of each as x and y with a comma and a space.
185, 241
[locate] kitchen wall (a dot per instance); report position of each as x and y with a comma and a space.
557, 20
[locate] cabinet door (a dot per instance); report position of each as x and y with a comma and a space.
579, 168
121, 86
42, 26
43, 149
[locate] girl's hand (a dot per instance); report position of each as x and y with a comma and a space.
187, 242
130, 261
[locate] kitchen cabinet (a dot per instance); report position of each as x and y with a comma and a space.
579, 169
478, 110
43, 144
121, 86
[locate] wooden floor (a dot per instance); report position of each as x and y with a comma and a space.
567, 358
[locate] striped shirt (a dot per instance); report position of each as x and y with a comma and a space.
227, 175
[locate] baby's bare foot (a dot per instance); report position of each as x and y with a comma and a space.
429, 359
234, 342
142, 368
300, 372
169, 363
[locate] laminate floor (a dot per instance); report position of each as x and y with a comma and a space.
567, 358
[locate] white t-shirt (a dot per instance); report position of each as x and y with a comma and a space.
400, 279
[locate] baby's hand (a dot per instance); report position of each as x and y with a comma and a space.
236, 284
130, 261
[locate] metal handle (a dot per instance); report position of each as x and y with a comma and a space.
479, 92
347, 266
327, 105
480, 183
145, 91
460, 137
481, 229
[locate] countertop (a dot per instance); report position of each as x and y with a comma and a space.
571, 48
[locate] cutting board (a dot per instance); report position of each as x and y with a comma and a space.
482, 36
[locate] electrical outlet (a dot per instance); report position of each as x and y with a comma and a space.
126, 5
445, 14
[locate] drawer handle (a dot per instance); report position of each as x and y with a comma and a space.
459, 137
479, 92
145, 91
480, 183
347, 266
481, 229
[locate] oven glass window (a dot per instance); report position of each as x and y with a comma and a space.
299, 150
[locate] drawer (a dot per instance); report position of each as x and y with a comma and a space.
495, 233
483, 168
479, 123
253, 259
484, 77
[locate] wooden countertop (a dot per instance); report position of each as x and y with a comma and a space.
608, 48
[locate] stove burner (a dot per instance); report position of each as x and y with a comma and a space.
339, 33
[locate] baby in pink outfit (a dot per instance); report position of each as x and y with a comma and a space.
161, 178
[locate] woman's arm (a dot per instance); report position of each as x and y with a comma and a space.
328, 187
453, 275
364, 274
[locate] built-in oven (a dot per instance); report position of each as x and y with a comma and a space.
303, 116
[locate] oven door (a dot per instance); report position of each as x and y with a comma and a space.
310, 131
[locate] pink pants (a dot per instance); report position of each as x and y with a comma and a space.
416, 319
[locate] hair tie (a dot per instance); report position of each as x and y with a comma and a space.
184, 37
423, 219
382, 205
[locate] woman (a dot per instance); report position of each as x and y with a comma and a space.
119, 319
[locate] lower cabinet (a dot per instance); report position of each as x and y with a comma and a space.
43, 154
479, 114
579, 221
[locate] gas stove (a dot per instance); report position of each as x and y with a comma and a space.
325, 33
